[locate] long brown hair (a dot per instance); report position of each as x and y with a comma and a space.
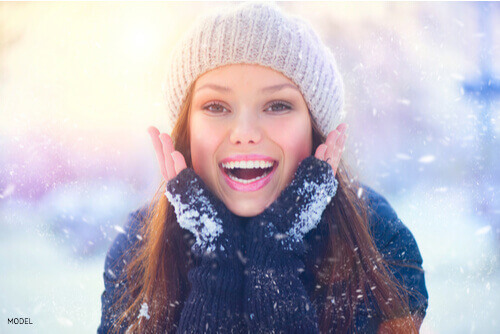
349, 269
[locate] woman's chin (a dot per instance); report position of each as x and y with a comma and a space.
250, 210
248, 203
246, 207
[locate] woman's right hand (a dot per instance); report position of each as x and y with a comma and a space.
171, 162
197, 209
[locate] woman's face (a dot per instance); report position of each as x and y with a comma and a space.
250, 128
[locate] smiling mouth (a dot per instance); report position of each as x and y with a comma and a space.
249, 171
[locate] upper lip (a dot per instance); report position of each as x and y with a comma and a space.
246, 157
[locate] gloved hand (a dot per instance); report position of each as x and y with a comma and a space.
199, 211
214, 303
299, 207
275, 298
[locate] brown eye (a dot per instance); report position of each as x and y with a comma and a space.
278, 107
215, 108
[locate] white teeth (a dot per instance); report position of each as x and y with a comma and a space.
234, 178
248, 164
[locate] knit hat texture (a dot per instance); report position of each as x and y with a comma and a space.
259, 33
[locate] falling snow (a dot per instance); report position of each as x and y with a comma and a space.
427, 159
483, 230
70, 172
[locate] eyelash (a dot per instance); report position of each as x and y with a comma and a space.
282, 103
274, 103
213, 104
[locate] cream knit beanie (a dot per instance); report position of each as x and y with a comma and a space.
259, 33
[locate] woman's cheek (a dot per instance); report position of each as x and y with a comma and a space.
295, 139
203, 146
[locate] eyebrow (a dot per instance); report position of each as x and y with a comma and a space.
270, 89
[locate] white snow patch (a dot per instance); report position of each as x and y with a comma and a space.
119, 229
198, 216
111, 273
403, 156
427, 159
143, 312
405, 102
320, 195
483, 230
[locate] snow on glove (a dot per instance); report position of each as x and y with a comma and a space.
214, 303
203, 214
275, 297
300, 206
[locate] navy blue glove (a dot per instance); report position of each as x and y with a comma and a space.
214, 303
299, 207
275, 298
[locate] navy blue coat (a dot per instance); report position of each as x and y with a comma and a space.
392, 238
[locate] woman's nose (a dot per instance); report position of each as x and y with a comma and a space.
245, 129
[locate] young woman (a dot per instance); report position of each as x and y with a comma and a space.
258, 226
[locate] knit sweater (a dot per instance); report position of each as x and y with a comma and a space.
269, 290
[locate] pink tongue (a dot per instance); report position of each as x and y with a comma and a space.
247, 174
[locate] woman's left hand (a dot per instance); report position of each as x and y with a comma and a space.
332, 149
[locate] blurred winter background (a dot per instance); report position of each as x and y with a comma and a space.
81, 82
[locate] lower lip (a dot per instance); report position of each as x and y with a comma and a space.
254, 186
